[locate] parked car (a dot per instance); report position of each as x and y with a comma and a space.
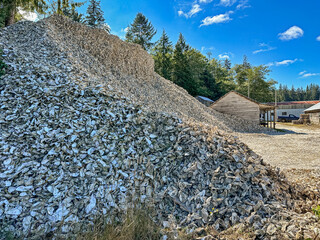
289, 118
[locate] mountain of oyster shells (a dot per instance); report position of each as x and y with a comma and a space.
89, 130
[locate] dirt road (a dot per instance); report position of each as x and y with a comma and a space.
295, 147
296, 150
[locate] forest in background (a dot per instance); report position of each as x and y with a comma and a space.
180, 63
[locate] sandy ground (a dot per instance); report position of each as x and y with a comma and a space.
295, 150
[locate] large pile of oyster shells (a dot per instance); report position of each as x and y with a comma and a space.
72, 150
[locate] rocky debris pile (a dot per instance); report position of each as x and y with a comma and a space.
87, 50
70, 151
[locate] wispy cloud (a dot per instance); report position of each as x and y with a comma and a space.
305, 74
227, 3
221, 18
292, 33
318, 38
205, 1
264, 48
243, 4
203, 48
194, 10
284, 62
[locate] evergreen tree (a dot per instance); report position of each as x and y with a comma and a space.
162, 55
181, 74
9, 9
212, 88
141, 32
95, 17
69, 10
227, 64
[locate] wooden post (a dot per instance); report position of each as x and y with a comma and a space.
268, 118
274, 118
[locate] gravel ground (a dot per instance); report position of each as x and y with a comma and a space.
296, 150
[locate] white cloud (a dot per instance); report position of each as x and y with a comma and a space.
292, 33
318, 38
125, 29
194, 10
221, 18
243, 4
305, 74
26, 15
264, 48
227, 3
284, 62
205, 1
224, 56
203, 48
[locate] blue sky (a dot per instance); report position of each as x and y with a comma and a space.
280, 33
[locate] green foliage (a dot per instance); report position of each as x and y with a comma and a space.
141, 32
311, 92
95, 17
9, 11
316, 211
162, 54
2, 64
181, 71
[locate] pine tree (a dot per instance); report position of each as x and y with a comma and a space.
68, 9
95, 17
162, 55
181, 73
141, 32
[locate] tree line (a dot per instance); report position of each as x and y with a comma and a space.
198, 74
311, 92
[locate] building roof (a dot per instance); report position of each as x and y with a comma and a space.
296, 102
261, 106
314, 108
205, 98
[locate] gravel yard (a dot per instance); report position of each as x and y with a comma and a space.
296, 150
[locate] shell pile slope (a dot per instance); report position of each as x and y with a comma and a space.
130, 71
72, 151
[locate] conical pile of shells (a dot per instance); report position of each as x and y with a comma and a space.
72, 149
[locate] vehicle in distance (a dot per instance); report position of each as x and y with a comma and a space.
289, 118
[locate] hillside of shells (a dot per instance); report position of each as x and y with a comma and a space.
78, 143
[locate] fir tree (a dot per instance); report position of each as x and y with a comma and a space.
181, 73
141, 32
162, 55
95, 17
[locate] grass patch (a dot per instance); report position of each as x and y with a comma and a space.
136, 225
316, 211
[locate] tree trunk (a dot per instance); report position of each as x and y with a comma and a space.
10, 18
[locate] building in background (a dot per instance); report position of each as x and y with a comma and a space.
314, 113
238, 105
206, 101
296, 107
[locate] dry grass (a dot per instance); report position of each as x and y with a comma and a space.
137, 225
